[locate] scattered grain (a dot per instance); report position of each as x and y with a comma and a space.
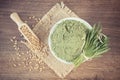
27, 52
36, 19
19, 55
14, 65
14, 46
11, 40
25, 21
15, 42
39, 19
41, 69
33, 17
30, 17
30, 69
14, 37
29, 60
19, 64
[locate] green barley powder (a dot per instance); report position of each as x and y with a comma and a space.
67, 40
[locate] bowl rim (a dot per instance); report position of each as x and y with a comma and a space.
53, 28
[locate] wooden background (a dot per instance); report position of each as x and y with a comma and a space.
107, 12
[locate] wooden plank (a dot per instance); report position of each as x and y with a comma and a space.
105, 11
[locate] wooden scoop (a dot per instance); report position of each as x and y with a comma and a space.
26, 31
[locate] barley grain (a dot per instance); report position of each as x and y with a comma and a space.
25, 21
14, 37
33, 17
11, 40
14, 65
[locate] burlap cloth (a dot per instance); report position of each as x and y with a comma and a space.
42, 29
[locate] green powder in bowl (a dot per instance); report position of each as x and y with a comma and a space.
67, 38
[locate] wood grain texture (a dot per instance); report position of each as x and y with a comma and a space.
107, 12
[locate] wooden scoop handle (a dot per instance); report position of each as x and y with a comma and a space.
15, 17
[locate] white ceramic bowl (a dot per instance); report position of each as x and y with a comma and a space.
53, 28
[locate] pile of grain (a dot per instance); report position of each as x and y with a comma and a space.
25, 58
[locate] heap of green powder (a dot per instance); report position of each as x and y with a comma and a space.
67, 40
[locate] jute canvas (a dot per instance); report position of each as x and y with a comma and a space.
42, 29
